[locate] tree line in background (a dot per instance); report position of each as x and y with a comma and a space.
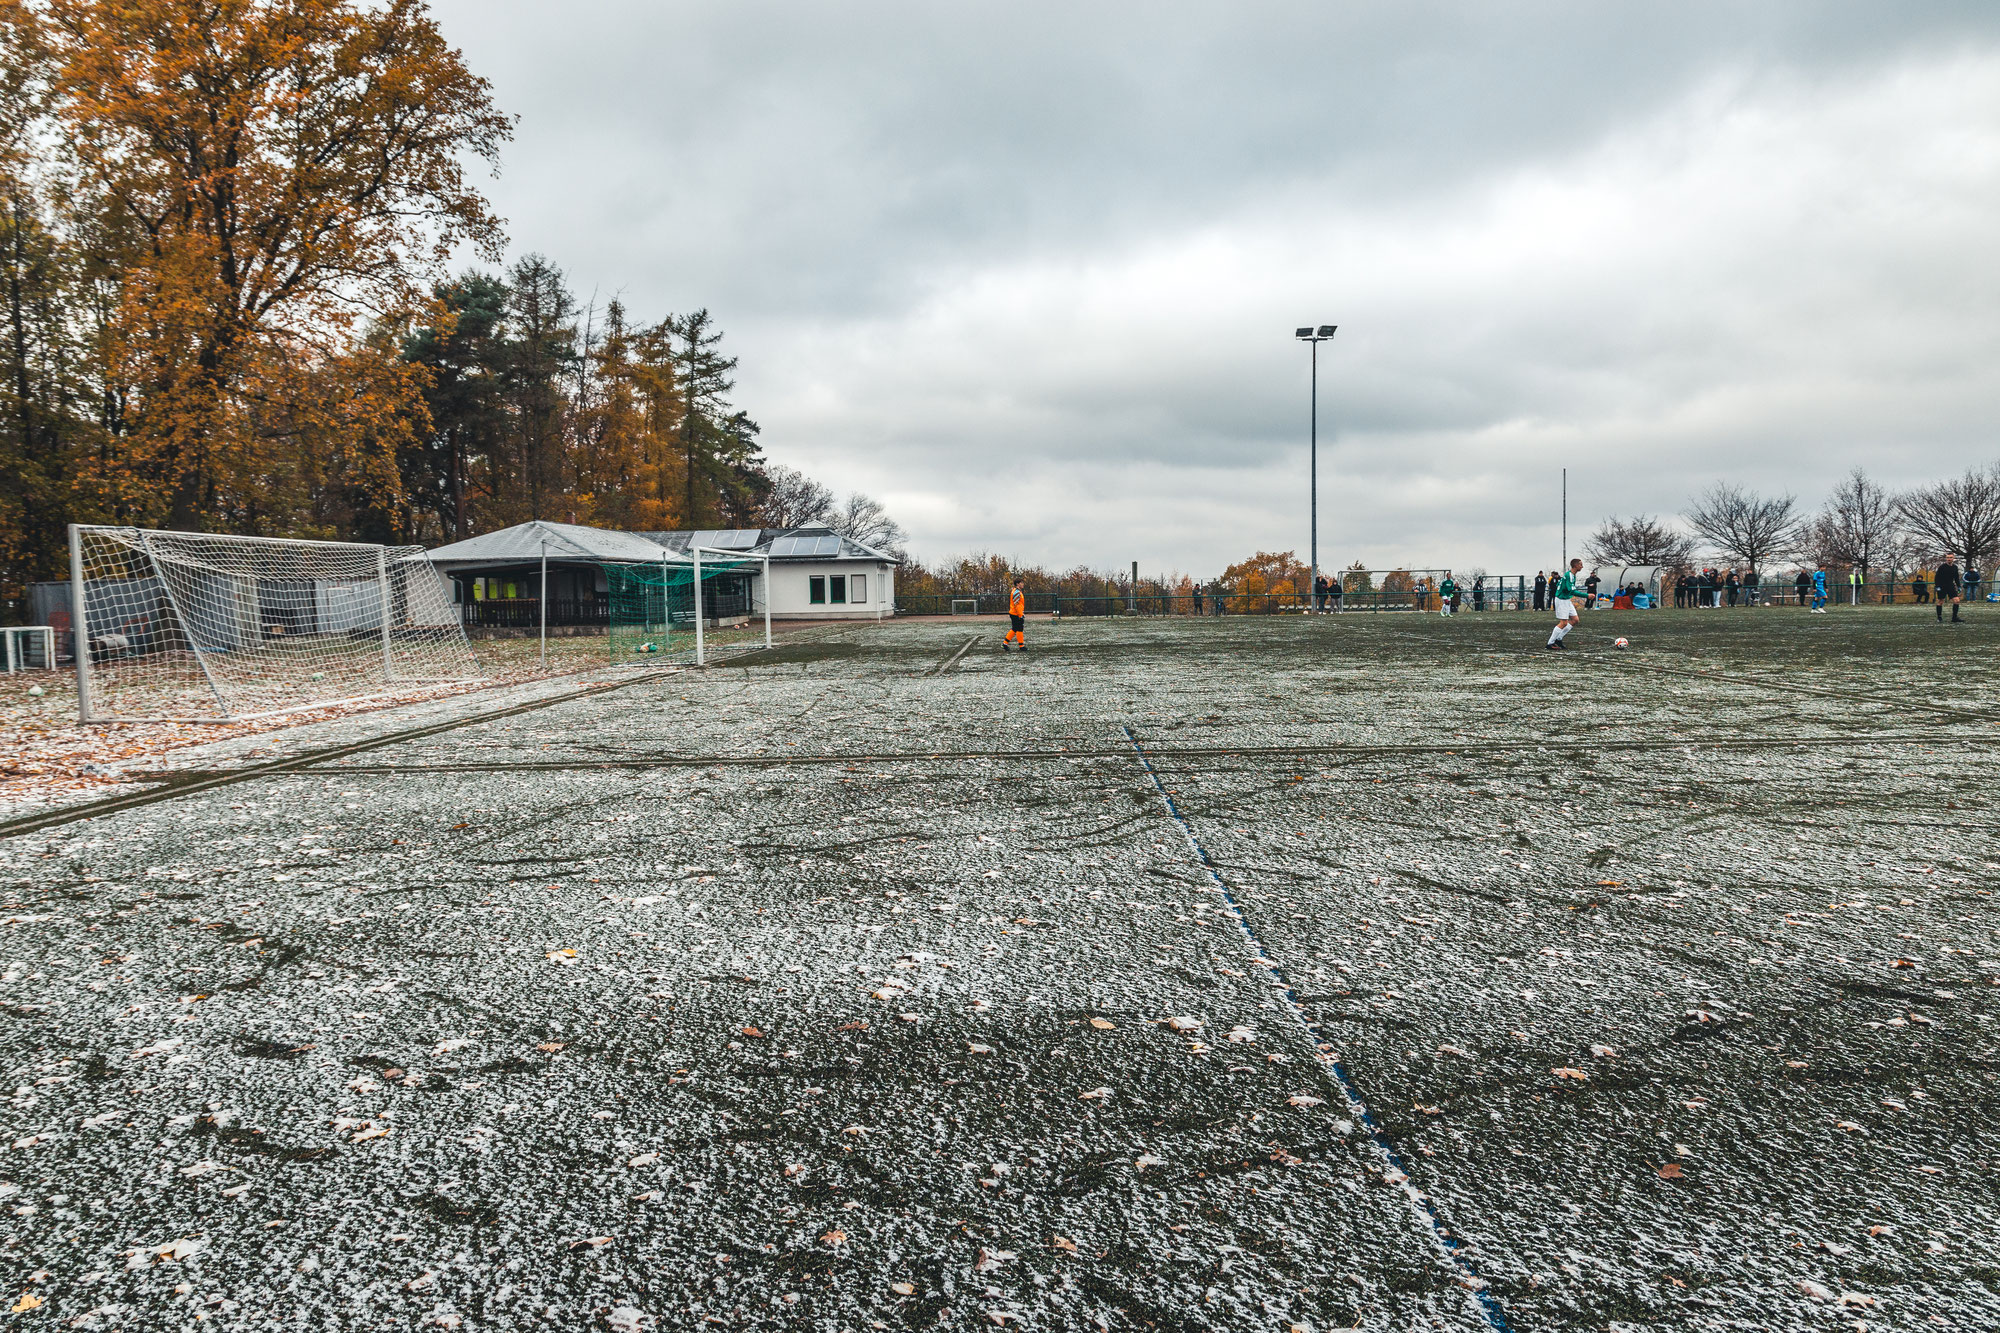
1861, 527
225, 306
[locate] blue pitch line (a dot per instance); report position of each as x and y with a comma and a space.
1449, 1246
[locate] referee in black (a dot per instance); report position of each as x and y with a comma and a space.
1950, 585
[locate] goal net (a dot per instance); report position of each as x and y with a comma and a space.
193, 626
652, 609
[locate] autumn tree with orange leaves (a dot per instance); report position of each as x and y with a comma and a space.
271, 174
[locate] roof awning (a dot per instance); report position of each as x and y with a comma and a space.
527, 543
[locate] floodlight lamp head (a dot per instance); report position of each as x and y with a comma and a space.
1326, 330
1304, 333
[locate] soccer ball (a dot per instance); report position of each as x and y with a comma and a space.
35, 691
1620, 643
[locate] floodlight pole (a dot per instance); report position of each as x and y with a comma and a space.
1316, 335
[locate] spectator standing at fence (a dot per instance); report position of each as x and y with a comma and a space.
1541, 588
1734, 584
1753, 587
1334, 591
1972, 581
1920, 588
1950, 586
1478, 592
1804, 585
1590, 589
1197, 599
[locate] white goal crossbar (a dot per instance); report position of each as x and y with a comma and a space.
209, 627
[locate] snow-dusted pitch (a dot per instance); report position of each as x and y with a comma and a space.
1374, 972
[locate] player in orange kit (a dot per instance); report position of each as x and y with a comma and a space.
1017, 611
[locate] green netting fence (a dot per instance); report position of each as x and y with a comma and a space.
652, 609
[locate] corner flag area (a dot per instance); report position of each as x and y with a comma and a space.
1242, 973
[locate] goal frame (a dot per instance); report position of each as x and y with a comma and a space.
88, 710
971, 605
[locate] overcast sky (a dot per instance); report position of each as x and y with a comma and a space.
1029, 273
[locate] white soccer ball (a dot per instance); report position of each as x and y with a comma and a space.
35, 691
1620, 643
319, 675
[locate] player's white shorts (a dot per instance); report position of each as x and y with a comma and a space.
1565, 609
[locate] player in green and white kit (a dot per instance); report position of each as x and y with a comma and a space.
1446, 591
1565, 591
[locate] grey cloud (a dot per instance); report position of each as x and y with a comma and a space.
1028, 270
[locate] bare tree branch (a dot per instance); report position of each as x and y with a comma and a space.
1640, 540
1752, 529
1859, 526
1961, 516
795, 500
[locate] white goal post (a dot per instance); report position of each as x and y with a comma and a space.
965, 606
208, 627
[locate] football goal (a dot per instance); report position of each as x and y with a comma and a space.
205, 627
965, 606
689, 609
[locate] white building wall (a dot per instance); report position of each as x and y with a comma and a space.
791, 589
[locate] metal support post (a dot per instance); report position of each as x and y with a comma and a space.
79, 626
542, 603
767, 602
695, 551
382, 572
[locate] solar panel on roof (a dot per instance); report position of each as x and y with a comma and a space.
826, 546
726, 539
785, 546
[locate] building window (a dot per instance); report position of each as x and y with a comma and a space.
839, 582
816, 590
859, 587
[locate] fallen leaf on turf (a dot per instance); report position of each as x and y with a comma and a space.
1604, 1052
379, 1131
835, 1238
551, 1045
977, 1049
181, 1249
1610, 883
1093, 1095
856, 1130
1850, 1127
1184, 1024
423, 1281
1565, 1072
852, 1027
1146, 1159
1102, 1024
1064, 1243
911, 1018
1302, 1099
590, 1243
752, 1032
1671, 1171
903, 1288
1454, 1050
450, 1044
29, 1301
992, 1259
644, 1159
